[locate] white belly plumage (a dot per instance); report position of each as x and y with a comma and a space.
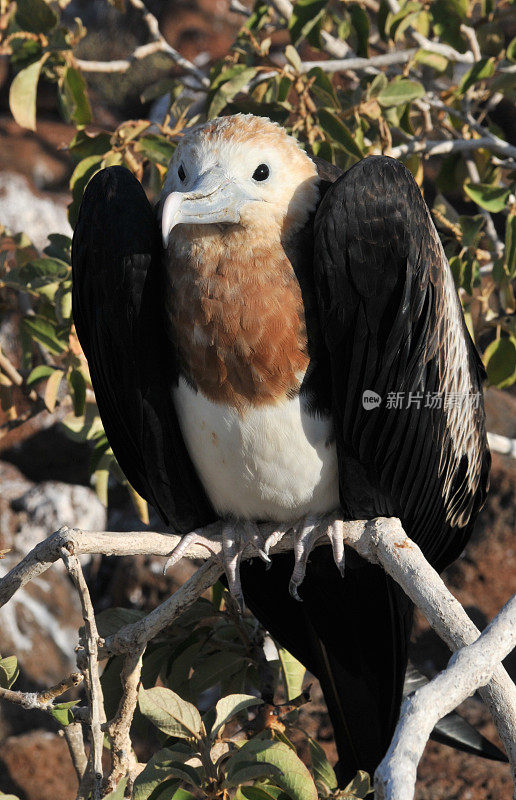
269, 463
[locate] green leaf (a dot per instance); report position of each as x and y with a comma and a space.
305, 16
78, 388
86, 144
250, 771
360, 22
152, 776
293, 673
471, 228
228, 85
264, 792
39, 374
84, 428
360, 786
500, 362
82, 174
22, 95
338, 132
74, 96
41, 329
52, 388
322, 769
434, 60
400, 91
480, 71
323, 88
294, 777
510, 246
215, 669
35, 16
59, 247
511, 50
492, 198
293, 57
62, 712
9, 671
168, 712
228, 707
156, 148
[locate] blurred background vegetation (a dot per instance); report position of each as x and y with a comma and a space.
430, 83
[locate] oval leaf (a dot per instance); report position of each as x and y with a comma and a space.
227, 707
500, 362
338, 132
396, 93
492, 198
168, 712
294, 777
22, 95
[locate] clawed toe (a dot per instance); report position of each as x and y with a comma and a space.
238, 536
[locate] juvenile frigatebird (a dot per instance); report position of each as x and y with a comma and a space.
289, 345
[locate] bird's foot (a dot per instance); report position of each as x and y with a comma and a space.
236, 537
306, 534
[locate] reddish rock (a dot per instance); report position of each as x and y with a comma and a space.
40, 765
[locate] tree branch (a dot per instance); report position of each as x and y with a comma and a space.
502, 444
380, 541
87, 661
431, 147
158, 44
467, 670
123, 760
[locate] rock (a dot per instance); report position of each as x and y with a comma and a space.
40, 765
40, 623
23, 210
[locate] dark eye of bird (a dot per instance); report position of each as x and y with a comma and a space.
261, 172
181, 173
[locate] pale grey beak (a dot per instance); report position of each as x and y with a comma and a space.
213, 198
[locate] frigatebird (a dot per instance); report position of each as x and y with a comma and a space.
283, 341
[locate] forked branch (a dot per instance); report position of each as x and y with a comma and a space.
380, 541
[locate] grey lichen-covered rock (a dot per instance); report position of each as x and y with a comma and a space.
23, 210
40, 623
47, 506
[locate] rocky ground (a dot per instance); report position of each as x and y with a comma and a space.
44, 477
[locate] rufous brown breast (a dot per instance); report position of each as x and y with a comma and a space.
237, 316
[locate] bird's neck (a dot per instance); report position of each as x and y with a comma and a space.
237, 315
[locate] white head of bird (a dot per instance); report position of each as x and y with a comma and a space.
239, 170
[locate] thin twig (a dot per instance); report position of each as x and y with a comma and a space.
431, 147
42, 701
360, 64
14, 376
123, 760
158, 45
88, 663
75, 741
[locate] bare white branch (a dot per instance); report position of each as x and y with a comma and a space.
468, 670
158, 44
502, 444
360, 64
431, 147
87, 660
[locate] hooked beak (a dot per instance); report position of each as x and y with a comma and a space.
213, 198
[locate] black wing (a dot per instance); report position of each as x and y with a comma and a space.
118, 311
392, 324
